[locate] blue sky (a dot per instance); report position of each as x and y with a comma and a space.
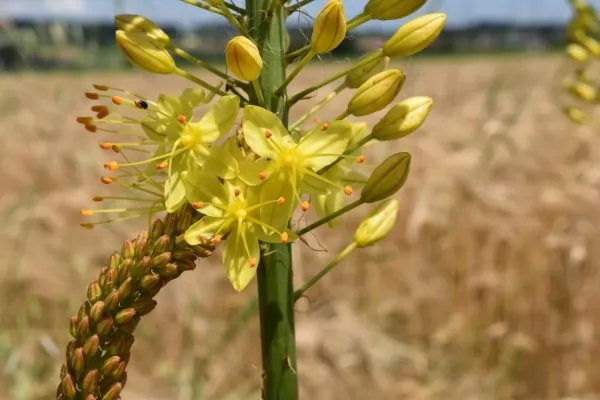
459, 12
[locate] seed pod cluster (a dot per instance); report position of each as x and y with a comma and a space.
102, 331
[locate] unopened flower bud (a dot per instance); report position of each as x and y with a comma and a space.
243, 58
392, 9
592, 45
387, 178
403, 119
378, 224
114, 392
576, 115
144, 305
143, 53
77, 361
131, 23
377, 92
90, 381
329, 29
68, 387
110, 364
125, 316
582, 90
577, 52
91, 346
360, 75
415, 35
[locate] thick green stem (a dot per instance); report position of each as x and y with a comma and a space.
266, 25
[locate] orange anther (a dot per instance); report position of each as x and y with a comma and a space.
111, 166
92, 95
86, 213
217, 239
102, 88
262, 176
182, 119
280, 201
237, 192
252, 262
90, 127
305, 205
268, 134
84, 120
162, 165
360, 159
97, 108
325, 126
117, 100
347, 190
97, 198
197, 205
102, 114
284, 237
106, 180
106, 146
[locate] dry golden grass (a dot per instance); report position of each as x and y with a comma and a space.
488, 288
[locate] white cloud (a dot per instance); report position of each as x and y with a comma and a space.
66, 6
37, 7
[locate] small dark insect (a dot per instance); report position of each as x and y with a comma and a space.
141, 104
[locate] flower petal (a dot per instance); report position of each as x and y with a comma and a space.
192, 98
324, 147
240, 251
325, 205
218, 161
255, 123
273, 214
202, 187
206, 227
219, 120
174, 192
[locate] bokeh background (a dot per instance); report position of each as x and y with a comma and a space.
487, 289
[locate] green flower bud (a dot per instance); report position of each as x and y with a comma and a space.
94, 292
68, 387
77, 361
131, 23
243, 58
114, 392
387, 178
143, 53
91, 346
90, 381
378, 224
592, 45
415, 35
330, 28
360, 75
97, 311
376, 93
125, 316
582, 90
109, 365
392, 9
577, 52
403, 119
104, 327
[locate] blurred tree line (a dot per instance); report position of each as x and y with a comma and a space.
29, 44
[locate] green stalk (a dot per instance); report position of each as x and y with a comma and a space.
266, 25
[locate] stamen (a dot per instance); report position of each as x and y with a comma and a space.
87, 225
284, 237
237, 192
141, 104
111, 166
305, 205
325, 126
268, 134
117, 100
347, 190
84, 120
86, 213
280, 201
106, 180
197, 205
252, 262
162, 165
360, 159
182, 119
102, 88
106, 146
91, 127
97, 198
92, 95
217, 239
262, 176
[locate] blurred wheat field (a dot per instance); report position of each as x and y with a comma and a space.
488, 288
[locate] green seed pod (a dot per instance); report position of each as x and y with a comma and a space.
377, 92
415, 35
387, 178
378, 224
131, 23
360, 75
392, 9
329, 29
144, 53
403, 119
243, 58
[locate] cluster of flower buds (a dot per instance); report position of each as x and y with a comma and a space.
583, 50
102, 331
